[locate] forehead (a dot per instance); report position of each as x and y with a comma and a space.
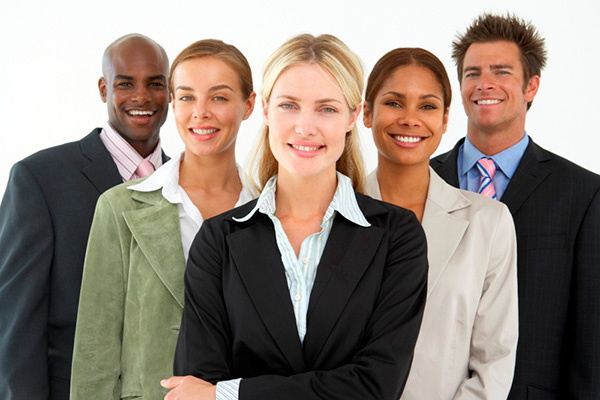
137, 59
202, 72
492, 53
412, 78
307, 80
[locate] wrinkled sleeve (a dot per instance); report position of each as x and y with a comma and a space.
495, 329
97, 352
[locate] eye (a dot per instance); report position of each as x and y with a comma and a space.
124, 84
186, 98
394, 104
328, 110
503, 72
286, 106
429, 107
157, 84
471, 75
219, 98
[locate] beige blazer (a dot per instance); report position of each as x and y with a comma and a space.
467, 343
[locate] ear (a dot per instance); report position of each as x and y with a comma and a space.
367, 115
250, 105
445, 122
265, 108
532, 88
172, 101
102, 88
353, 117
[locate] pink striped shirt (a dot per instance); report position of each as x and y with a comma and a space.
125, 156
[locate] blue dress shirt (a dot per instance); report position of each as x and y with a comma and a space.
507, 161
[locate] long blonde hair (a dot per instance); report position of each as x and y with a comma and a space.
335, 57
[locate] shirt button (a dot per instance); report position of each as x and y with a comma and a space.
305, 260
297, 297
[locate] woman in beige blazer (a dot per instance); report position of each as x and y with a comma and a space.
467, 342
132, 290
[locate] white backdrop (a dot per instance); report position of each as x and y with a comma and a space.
51, 60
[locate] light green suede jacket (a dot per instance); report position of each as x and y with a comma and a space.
131, 298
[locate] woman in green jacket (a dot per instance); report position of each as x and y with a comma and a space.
132, 288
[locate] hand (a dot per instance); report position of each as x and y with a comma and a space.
189, 387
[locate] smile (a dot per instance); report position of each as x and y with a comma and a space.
204, 131
407, 139
488, 102
305, 148
140, 112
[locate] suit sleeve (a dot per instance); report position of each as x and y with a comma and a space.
26, 251
495, 329
377, 370
584, 359
97, 351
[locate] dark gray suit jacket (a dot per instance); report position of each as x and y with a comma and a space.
556, 208
45, 219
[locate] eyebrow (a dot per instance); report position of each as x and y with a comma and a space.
320, 101
403, 96
494, 66
150, 78
212, 89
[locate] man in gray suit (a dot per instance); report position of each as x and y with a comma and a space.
47, 211
555, 205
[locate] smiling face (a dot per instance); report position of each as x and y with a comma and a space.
408, 117
308, 118
134, 88
493, 90
209, 106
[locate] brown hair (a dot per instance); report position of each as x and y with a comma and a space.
331, 54
402, 57
492, 28
221, 50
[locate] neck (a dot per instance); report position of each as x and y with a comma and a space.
211, 173
492, 142
303, 197
403, 185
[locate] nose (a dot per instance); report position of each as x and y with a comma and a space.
306, 124
201, 111
486, 81
409, 118
141, 94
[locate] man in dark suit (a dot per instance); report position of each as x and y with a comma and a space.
46, 215
555, 205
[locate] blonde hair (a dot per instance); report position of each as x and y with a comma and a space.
335, 57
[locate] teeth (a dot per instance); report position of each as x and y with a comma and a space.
204, 131
140, 112
305, 148
407, 139
487, 102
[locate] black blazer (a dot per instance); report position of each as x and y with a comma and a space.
45, 219
556, 208
363, 319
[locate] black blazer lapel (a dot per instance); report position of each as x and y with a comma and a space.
101, 170
262, 271
446, 165
347, 255
528, 176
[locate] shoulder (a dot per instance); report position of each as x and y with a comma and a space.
561, 165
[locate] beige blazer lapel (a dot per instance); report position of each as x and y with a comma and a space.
442, 202
157, 232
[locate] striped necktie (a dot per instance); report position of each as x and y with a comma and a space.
145, 168
487, 169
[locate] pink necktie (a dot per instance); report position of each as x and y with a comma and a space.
145, 168
487, 169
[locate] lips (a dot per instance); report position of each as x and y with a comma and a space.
203, 131
407, 139
305, 148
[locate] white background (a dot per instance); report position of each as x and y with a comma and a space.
51, 60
